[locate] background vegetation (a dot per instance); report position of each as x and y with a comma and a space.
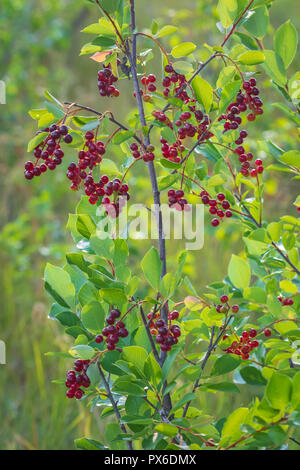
39, 45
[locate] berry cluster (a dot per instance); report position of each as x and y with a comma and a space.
285, 300
166, 336
247, 99
75, 381
149, 87
49, 150
223, 307
219, 207
200, 128
244, 346
105, 82
119, 191
113, 332
88, 157
184, 129
146, 154
178, 81
177, 201
171, 151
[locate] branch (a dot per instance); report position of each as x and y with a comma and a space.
156, 195
236, 23
284, 256
212, 346
114, 405
248, 436
153, 347
98, 113
132, 57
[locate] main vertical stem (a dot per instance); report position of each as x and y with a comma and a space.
132, 57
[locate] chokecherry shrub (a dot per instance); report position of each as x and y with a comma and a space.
145, 349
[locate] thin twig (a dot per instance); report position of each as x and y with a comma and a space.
114, 405
98, 113
150, 337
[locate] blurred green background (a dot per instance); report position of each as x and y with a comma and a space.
39, 49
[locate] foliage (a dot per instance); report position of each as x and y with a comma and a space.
271, 274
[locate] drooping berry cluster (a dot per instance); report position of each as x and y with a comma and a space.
120, 194
166, 335
177, 81
199, 128
149, 87
177, 200
219, 207
90, 156
113, 331
75, 381
49, 150
246, 99
106, 79
285, 300
244, 345
146, 154
172, 152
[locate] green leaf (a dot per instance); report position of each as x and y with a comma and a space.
88, 444
203, 92
274, 67
50, 97
296, 391
166, 31
239, 272
104, 41
136, 355
92, 317
151, 265
225, 364
83, 351
87, 293
286, 41
228, 94
108, 167
68, 319
110, 5
127, 386
59, 281
220, 387
257, 24
167, 429
121, 137
38, 139
231, 430
183, 49
252, 376
77, 139
255, 294
113, 296
183, 401
251, 58
227, 10
226, 75
278, 391
85, 225
291, 158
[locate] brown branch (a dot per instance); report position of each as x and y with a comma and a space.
236, 23
98, 113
